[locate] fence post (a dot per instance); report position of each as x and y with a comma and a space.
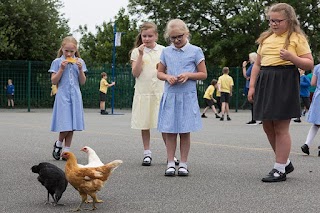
237, 88
29, 85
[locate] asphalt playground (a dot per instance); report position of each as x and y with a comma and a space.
226, 162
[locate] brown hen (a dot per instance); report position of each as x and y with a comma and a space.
87, 181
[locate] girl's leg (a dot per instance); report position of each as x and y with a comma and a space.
184, 146
171, 146
269, 130
68, 139
283, 140
145, 133
164, 137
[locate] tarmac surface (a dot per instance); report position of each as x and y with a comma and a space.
226, 162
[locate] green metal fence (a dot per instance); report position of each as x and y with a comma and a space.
33, 85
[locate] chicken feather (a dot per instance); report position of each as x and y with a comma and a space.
87, 181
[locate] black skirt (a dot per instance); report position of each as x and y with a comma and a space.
277, 93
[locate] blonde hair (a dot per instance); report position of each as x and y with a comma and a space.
103, 74
293, 23
176, 24
68, 39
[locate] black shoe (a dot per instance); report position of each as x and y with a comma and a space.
56, 154
104, 113
274, 176
228, 118
146, 163
222, 118
289, 168
305, 149
297, 120
176, 161
203, 116
252, 123
217, 116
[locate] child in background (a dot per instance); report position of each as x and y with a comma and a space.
225, 84
314, 112
67, 70
10, 93
209, 100
181, 65
148, 88
54, 90
304, 93
104, 85
282, 48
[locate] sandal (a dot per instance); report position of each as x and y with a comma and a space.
182, 171
176, 161
56, 155
146, 161
169, 172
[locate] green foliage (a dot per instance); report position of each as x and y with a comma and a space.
30, 29
98, 48
226, 30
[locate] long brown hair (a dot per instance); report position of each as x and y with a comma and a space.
144, 26
68, 39
293, 23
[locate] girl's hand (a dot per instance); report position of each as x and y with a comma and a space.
141, 48
251, 94
63, 65
182, 78
79, 64
285, 55
172, 79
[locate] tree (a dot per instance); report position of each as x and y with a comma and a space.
225, 29
98, 48
31, 30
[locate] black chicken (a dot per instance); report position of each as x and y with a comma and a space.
53, 178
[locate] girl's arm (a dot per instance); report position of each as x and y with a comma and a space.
314, 80
162, 75
304, 62
137, 65
253, 77
201, 73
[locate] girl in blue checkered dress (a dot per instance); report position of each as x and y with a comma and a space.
181, 65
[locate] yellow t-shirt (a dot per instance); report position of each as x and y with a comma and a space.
226, 83
270, 48
209, 92
103, 86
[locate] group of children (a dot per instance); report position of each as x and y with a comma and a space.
166, 95
223, 89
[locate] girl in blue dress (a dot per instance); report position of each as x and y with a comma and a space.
181, 65
314, 112
68, 71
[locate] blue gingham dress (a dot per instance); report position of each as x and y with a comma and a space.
314, 112
68, 107
179, 109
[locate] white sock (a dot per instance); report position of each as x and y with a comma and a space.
288, 162
312, 133
184, 165
171, 164
58, 144
147, 153
280, 167
66, 149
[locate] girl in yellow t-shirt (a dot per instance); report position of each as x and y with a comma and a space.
274, 84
